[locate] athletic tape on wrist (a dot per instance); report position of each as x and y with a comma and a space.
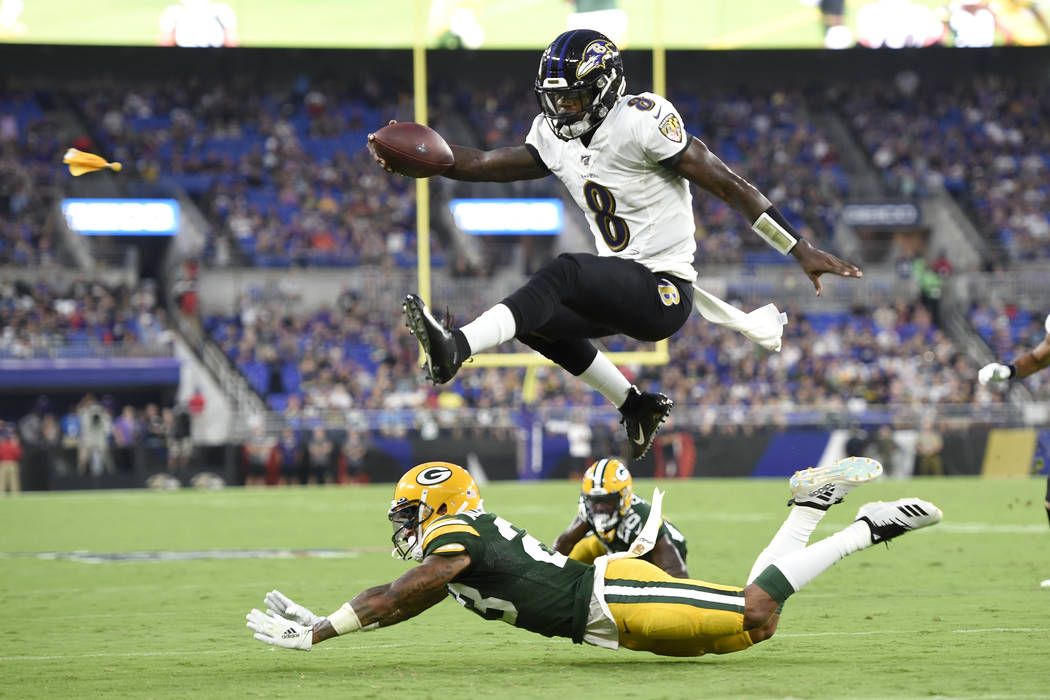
773, 233
344, 619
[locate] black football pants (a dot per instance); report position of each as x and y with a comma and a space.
578, 296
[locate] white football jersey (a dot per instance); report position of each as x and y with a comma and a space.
1047, 324
637, 208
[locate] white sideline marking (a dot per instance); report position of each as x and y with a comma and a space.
110, 615
988, 630
995, 696
199, 652
986, 529
341, 648
1006, 629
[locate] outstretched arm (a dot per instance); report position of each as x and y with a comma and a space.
414, 592
1034, 360
499, 165
1023, 365
704, 169
287, 624
573, 534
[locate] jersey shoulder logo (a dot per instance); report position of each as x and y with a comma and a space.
671, 127
668, 293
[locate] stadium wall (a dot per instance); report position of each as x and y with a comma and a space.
683, 454
754, 68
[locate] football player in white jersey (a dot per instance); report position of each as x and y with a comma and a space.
627, 161
1023, 365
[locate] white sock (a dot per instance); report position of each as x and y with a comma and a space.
491, 328
792, 536
801, 567
603, 377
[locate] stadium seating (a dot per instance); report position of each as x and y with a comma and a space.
283, 174
982, 140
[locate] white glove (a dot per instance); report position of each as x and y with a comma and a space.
993, 372
287, 608
581, 510
273, 629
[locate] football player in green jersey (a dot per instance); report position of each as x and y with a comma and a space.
610, 519
502, 573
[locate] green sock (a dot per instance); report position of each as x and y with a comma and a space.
773, 582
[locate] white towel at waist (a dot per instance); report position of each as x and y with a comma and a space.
764, 325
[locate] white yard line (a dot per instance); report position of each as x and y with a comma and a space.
415, 645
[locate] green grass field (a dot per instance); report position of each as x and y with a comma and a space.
951, 611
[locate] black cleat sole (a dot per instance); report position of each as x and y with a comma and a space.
417, 327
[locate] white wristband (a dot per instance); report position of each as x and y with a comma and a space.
774, 234
344, 619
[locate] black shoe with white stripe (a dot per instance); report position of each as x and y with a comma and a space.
888, 520
643, 412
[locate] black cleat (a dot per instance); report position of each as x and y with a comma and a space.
438, 343
642, 420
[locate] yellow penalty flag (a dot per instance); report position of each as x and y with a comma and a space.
80, 162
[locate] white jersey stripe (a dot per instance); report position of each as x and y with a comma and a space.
666, 591
443, 523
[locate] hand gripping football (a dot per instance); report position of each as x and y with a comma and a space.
413, 149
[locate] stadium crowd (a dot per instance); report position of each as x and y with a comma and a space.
82, 318
28, 169
281, 174
351, 357
982, 139
96, 435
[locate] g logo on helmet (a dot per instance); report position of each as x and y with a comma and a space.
434, 475
622, 474
595, 56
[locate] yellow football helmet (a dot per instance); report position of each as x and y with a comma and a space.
606, 496
424, 493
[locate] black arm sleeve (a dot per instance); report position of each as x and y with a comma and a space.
671, 161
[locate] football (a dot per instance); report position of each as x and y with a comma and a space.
413, 149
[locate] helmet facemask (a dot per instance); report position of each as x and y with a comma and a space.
603, 513
407, 518
595, 101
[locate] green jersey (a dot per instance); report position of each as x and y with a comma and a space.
631, 526
513, 576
